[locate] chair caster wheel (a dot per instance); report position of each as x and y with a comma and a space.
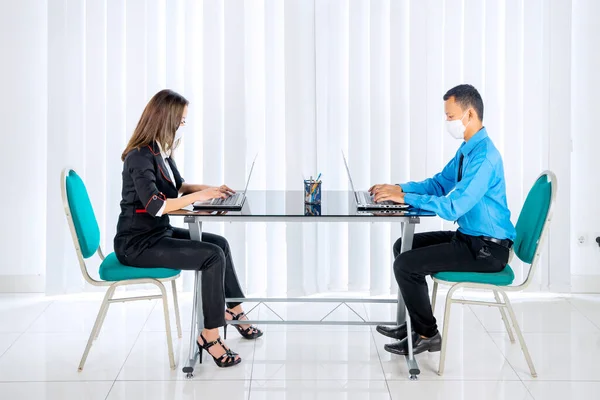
414, 378
189, 376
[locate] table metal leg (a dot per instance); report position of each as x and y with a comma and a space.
197, 315
402, 316
408, 231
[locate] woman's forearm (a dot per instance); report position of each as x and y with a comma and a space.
180, 202
187, 188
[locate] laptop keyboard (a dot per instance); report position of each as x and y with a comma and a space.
367, 198
231, 200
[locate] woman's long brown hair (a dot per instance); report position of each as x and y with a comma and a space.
159, 122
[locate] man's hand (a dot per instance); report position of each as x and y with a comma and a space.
392, 188
389, 194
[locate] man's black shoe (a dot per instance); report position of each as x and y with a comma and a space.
420, 345
394, 332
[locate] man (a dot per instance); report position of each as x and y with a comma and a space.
470, 191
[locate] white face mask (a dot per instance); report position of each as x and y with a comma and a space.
456, 129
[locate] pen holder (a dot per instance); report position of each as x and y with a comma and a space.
312, 192
312, 209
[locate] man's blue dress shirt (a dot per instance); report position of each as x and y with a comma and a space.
478, 201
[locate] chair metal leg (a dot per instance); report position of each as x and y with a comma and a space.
445, 330
97, 325
163, 291
176, 304
519, 335
504, 317
102, 317
434, 297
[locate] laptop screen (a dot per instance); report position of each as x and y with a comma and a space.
350, 177
250, 174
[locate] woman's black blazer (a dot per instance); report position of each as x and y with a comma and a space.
146, 187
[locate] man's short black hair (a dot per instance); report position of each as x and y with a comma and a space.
466, 96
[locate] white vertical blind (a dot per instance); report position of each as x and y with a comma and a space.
359, 130
116, 133
379, 83
275, 139
400, 99
296, 82
444, 48
66, 138
24, 115
558, 135
535, 82
513, 107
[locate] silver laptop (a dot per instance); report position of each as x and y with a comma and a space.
365, 201
233, 202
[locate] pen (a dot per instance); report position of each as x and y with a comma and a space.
315, 184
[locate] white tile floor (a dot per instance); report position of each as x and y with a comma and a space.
42, 338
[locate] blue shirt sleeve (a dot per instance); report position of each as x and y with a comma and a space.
440, 185
475, 182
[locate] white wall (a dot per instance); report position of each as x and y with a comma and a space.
23, 110
586, 137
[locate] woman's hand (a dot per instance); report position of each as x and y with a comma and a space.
210, 193
205, 194
226, 189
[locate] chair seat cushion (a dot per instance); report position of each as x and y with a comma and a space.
502, 278
112, 270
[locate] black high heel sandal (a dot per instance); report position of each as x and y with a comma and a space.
226, 360
248, 333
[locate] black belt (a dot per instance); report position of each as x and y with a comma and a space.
502, 242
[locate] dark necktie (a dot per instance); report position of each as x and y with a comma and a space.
460, 163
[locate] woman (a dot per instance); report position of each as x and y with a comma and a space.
151, 188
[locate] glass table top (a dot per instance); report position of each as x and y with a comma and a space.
290, 203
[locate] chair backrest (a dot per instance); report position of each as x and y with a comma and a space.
81, 218
534, 220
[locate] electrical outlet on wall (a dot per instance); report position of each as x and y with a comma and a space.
581, 239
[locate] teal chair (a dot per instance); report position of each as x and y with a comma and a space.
532, 227
86, 238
